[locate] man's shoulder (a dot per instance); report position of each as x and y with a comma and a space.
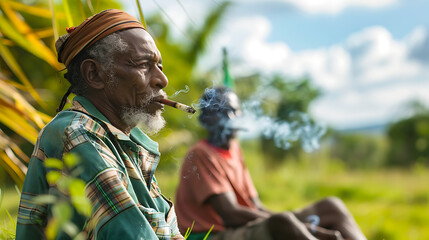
63, 120
67, 122
199, 147
51, 139
200, 152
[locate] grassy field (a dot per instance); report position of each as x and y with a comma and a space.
387, 204
8, 209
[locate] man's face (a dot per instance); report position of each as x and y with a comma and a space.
138, 81
224, 118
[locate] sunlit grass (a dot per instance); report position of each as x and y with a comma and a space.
8, 211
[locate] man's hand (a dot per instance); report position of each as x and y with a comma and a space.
232, 213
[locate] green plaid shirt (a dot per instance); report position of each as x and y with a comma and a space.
126, 200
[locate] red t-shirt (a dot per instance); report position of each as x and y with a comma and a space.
206, 171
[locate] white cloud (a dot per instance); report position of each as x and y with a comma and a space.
246, 39
335, 6
418, 42
382, 104
178, 14
328, 67
378, 57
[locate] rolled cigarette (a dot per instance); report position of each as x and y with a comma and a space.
177, 105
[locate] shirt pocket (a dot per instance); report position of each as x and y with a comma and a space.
157, 222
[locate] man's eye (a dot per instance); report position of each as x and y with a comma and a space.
160, 67
144, 65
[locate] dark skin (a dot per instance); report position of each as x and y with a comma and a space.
219, 134
138, 71
335, 221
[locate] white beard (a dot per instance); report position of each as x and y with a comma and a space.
148, 123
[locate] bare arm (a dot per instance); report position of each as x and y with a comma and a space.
233, 214
259, 205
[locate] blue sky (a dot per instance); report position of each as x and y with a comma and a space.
370, 58
399, 18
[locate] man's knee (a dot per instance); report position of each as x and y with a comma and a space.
280, 220
335, 206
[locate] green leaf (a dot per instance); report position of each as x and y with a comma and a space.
70, 229
10, 218
17, 190
189, 230
18, 124
68, 13
53, 19
8, 164
15, 67
62, 211
208, 233
141, 13
80, 236
54, 163
46, 199
33, 10
29, 42
71, 160
53, 177
64, 182
77, 188
52, 228
82, 205
78, 197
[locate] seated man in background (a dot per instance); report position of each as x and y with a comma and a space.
216, 189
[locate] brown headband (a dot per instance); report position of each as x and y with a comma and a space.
91, 30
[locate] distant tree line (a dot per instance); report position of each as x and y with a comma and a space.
405, 143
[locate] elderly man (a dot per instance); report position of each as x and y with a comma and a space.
115, 70
216, 190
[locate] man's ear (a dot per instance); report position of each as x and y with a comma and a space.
92, 73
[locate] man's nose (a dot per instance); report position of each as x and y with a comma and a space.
159, 79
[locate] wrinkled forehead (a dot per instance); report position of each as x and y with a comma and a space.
139, 40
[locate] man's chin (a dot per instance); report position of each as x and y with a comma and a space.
150, 123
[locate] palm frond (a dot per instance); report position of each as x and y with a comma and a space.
18, 31
210, 24
10, 60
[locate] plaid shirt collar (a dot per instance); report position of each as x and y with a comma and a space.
82, 104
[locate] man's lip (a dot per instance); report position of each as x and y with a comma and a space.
155, 101
157, 98
158, 104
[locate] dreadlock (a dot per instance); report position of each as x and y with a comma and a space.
102, 51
